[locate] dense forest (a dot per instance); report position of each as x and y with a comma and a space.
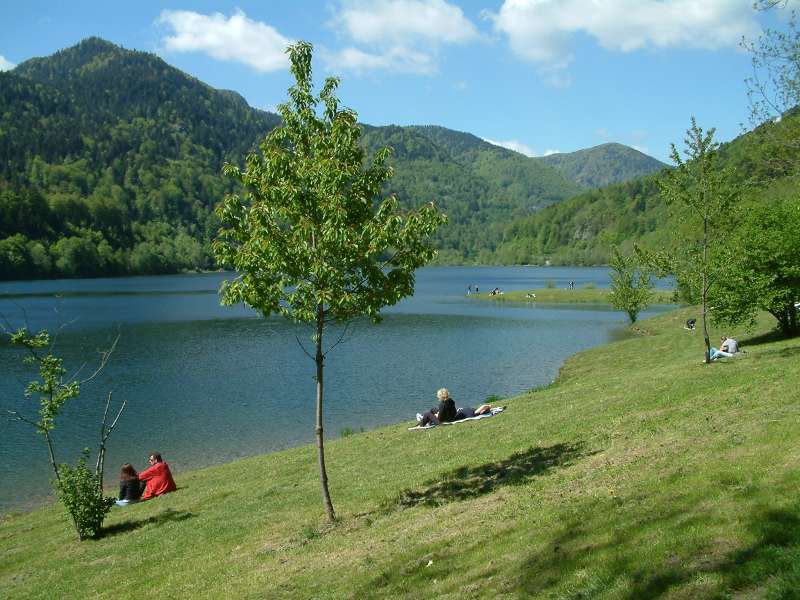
110, 164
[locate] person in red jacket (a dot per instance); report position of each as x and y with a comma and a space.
158, 477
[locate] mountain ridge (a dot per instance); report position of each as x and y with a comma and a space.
112, 158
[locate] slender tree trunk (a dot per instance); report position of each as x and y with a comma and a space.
53, 463
323, 475
705, 288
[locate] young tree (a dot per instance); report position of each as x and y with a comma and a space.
703, 195
79, 489
307, 237
631, 284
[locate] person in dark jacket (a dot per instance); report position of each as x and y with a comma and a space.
130, 488
444, 413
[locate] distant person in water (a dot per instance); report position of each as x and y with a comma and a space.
158, 477
130, 488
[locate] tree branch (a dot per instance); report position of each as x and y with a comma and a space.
19, 417
104, 356
339, 341
303, 348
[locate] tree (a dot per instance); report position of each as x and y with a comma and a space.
79, 489
631, 285
763, 267
307, 237
702, 195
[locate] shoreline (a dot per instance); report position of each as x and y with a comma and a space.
50, 500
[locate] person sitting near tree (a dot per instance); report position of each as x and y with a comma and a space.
158, 477
130, 488
727, 348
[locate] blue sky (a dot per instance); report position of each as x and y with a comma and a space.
537, 75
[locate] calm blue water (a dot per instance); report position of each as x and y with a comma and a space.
207, 384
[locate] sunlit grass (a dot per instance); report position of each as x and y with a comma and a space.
640, 473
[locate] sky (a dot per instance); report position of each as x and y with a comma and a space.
538, 76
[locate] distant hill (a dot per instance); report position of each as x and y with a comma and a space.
110, 163
603, 165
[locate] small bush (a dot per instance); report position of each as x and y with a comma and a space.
589, 286
550, 284
82, 495
347, 432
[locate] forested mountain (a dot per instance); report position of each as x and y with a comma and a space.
603, 165
110, 163
581, 230
481, 187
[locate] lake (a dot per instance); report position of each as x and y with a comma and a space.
206, 384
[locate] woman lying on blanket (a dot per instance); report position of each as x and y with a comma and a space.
446, 412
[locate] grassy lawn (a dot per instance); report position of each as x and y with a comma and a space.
640, 473
566, 296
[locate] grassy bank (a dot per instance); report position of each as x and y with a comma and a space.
641, 473
566, 296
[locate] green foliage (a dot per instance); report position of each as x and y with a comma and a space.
81, 493
550, 284
306, 237
631, 286
762, 267
53, 392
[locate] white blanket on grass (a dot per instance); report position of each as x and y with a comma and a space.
495, 411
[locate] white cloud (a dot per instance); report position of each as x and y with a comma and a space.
235, 38
398, 22
398, 59
513, 145
642, 149
542, 30
6, 65
550, 151
397, 35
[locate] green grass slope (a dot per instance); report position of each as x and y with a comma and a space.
640, 473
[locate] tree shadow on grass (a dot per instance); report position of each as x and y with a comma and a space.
764, 338
167, 516
769, 565
469, 482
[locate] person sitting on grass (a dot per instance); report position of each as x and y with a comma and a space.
158, 477
727, 348
444, 413
130, 488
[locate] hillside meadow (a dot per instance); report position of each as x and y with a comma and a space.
639, 473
